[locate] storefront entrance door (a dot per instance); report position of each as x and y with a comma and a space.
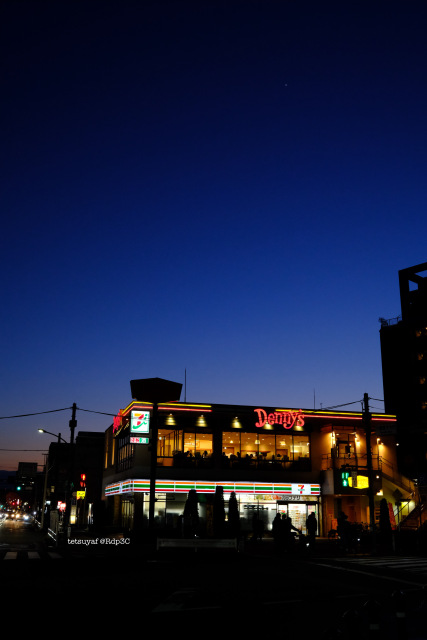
298, 512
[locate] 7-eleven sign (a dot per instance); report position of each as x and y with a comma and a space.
140, 422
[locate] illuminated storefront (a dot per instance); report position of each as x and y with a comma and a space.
262, 499
275, 460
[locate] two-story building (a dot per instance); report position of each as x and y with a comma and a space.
295, 461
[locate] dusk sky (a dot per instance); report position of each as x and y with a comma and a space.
223, 187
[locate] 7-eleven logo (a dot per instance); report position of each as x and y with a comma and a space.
140, 422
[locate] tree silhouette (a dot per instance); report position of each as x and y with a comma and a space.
233, 516
191, 514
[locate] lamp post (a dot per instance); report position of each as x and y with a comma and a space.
56, 435
154, 390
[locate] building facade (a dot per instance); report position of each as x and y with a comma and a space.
404, 365
73, 483
291, 461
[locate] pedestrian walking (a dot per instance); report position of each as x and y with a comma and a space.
311, 524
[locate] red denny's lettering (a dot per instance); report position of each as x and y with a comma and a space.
287, 418
117, 422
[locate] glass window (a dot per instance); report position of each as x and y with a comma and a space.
168, 442
284, 448
193, 444
107, 448
264, 446
249, 445
231, 443
267, 446
204, 444
301, 447
127, 514
190, 444
299, 513
198, 444
113, 451
125, 453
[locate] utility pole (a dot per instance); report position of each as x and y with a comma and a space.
153, 466
46, 459
368, 432
70, 470
73, 423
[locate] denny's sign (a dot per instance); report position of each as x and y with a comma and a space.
288, 419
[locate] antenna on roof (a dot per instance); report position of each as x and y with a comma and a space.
185, 385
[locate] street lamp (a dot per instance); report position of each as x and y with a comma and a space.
57, 435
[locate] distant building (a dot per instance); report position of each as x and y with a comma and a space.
7, 486
75, 477
88, 462
404, 367
27, 471
26, 484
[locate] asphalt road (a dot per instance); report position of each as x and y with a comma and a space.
217, 592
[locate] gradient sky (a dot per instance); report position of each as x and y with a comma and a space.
223, 187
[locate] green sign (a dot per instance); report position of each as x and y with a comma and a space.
344, 478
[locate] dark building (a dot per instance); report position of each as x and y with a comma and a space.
26, 484
7, 488
88, 465
404, 367
75, 479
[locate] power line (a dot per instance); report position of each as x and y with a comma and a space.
337, 406
104, 413
23, 449
38, 413
24, 415
101, 412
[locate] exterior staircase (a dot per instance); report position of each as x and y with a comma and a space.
418, 516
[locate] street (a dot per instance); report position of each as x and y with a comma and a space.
303, 595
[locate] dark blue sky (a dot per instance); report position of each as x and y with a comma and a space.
224, 187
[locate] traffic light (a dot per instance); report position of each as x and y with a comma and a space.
82, 481
344, 478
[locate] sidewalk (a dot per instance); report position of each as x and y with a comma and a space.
140, 546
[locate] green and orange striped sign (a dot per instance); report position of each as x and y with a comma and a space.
184, 486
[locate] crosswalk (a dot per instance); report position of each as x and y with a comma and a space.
31, 555
411, 564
